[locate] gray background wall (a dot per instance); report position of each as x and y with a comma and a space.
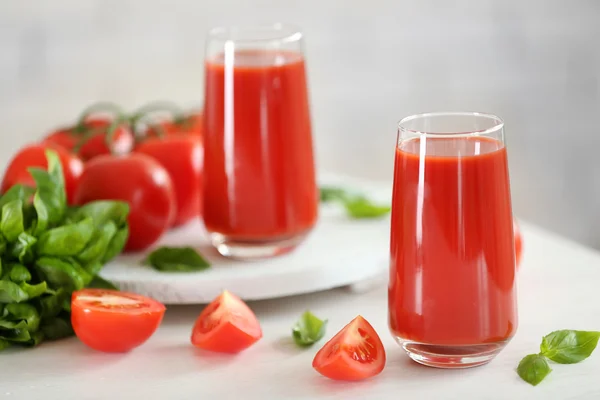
535, 63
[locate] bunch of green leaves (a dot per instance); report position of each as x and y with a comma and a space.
47, 251
562, 347
357, 205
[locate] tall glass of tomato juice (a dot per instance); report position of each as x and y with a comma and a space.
452, 295
260, 192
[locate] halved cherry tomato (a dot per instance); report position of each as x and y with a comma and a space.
181, 155
35, 156
113, 321
191, 124
89, 140
518, 242
226, 325
138, 180
354, 353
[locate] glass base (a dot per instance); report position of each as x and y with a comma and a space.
459, 356
254, 249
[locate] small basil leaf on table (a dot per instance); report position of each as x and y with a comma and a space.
308, 330
569, 346
67, 240
59, 274
11, 223
10, 292
99, 242
533, 369
361, 207
116, 244
331, 193
101, 283
176, 259
23, 247
57, 328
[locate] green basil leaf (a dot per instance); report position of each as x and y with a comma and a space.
4, 344
361, 207
34, 291
57, 328
100, 283
50, 199
66, 240
103, 211
52, 305
569, 346
176, 259
85, 275
11, 223
25, 312
308, 330
116, 245
331, 193
2, 247
36, 338
16, 335
23, 247
17, 192
60, 274
97, 246
10, 292
533, 369
6, 324
16, 273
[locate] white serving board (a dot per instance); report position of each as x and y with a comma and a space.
338, 252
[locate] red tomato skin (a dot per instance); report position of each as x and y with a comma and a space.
181, 156
224, 336
96, 145
337, 365
114, 332
193, 125
35, 156
141, 182
518, 243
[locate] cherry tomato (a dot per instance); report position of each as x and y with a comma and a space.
518, 242
138, 180
94, 145
181, 156
113, 321
35, 156
226, 325
190, 125
354, 353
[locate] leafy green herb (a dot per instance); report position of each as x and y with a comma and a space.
100, 283
67, 240
563, 347
308, 330
47, 251
176, 259
533, 369
11, 223
357, 206
569, 347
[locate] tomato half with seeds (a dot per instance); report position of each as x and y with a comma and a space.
226, 325
113, 321
354, 353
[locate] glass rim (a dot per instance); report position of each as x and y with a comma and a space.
281, 32
498, 124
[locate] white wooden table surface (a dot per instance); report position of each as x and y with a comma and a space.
558, 287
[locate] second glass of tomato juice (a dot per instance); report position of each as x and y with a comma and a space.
260, 191
452, 295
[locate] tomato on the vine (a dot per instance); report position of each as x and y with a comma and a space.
354, 353
89, 139
35, 156
113, 321
226, 325
138, 180
181, 156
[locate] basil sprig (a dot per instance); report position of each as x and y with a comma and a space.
357, 206
48, 250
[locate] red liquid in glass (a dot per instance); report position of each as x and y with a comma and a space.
452, 272
259, 169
